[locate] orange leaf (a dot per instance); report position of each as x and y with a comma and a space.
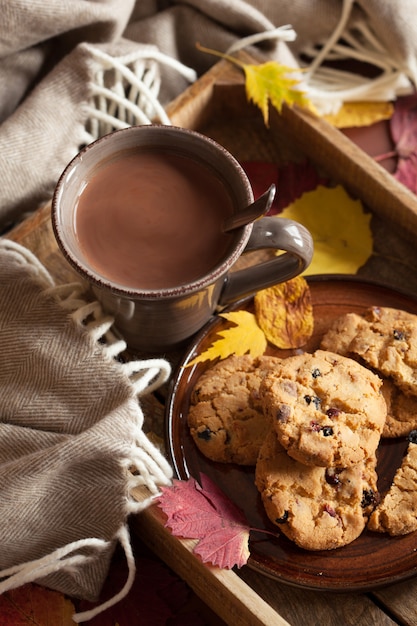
32, 605
285, 313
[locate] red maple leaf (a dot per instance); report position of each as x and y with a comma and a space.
205, 513
291, 180
261, 176
404, 134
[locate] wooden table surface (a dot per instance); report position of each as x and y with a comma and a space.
218, 108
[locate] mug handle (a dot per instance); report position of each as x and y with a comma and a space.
279, 233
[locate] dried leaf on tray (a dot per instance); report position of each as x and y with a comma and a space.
404, 125
289, 326
285, 313
404, 134
242, 338
261, 176
272, 83
400, 155
205, 513
291, 180
33, 605
406, 172
356, 114
340, 229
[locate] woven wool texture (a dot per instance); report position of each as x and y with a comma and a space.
69, 425
56, 73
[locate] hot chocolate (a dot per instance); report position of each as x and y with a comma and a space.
152, 220
139, 213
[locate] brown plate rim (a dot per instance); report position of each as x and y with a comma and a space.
260, 564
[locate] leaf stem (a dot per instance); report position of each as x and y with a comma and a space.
264, 531
222, 55
386, 155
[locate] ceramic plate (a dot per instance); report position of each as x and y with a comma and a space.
372, 560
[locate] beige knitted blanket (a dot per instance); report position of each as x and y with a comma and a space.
71, 441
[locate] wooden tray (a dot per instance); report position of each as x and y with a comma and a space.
216, 105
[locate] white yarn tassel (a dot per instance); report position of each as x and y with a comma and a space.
65, 559
125, 90
124, 538
329, 88
61, 559
282, 33
147, 375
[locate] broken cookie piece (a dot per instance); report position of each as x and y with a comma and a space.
397, 512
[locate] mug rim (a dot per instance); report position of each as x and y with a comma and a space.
219, 270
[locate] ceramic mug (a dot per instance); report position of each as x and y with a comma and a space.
163, 175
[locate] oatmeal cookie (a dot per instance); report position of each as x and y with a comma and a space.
397, 512
317, 508
225, 418
349, 335
341, 333
401, 411
326, 409
388, 344
384, 338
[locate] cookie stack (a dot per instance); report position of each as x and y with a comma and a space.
316, 471
385, 340
312, 423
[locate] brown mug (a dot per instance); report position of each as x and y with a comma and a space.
139, 214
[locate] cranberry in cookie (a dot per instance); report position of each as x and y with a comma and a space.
226, 419
316, 507
327, 409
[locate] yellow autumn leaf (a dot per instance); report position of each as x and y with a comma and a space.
285, 313
244, 337
339, 227
356, 114
269, 82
